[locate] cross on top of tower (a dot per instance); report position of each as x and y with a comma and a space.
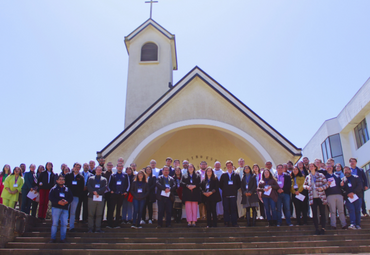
151, 2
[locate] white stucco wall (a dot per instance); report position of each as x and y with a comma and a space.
147, 81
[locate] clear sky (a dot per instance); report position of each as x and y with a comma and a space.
63, 65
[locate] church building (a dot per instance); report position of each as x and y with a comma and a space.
195, 119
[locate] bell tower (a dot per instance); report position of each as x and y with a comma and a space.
152, 59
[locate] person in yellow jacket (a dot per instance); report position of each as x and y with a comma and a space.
300, 202
12, 186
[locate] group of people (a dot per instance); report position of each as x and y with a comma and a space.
240, 191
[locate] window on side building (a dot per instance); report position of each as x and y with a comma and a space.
361, 133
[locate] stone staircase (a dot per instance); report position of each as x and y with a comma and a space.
182, 240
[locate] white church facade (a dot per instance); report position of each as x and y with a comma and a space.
195, 119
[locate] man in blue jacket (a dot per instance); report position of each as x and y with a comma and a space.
362, 176
60, 197
30, 184
119, 186
285, 182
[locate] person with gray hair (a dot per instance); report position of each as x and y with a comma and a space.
30, 184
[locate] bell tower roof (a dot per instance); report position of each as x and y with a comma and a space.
151, 23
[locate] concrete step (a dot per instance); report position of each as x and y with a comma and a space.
165, 246
236, 251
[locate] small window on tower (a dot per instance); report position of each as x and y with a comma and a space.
149, 52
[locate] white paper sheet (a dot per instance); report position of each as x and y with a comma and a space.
163, 193
33, 195
98, 199
267, 193
300, 197
355, 197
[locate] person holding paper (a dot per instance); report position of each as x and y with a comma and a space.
119, 186
96, 186
335, 198
30, 185
316, 184
76, 183
362, 176
249, 195
12, 187
268, 186
230, 184
139, 190
353, 189
191, 195
60, 197
166, 186
299, 195
46, 181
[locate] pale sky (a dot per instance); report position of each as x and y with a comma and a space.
63, 66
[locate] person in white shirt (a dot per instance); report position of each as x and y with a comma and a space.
185, 165
155, 170
268, 166
120, 160
239, 171
219, 207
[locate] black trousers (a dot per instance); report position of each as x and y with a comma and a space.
148, 205
106, 203
211, 213
230, 210
116, 200
82, 202
317, 203
300, 207
164, 205
363, 206
262, 209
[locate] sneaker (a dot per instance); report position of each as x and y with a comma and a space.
108, 227
358, 227
117, 227
124, 222
150, 222
139, 227
351, 226
133, 227
291, 225
142, 222
278, 225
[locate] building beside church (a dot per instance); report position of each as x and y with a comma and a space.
347, 135
195, 119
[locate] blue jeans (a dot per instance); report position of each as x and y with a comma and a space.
354, 210
230, 210
270, 206
138, 210
126, 209
72, 208
283, 200
56, 215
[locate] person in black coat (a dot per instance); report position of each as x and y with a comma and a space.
30, 184
76, 183
249, 194
166, 187
46, 181
230, 184
210, 188
150, 199
191, 196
